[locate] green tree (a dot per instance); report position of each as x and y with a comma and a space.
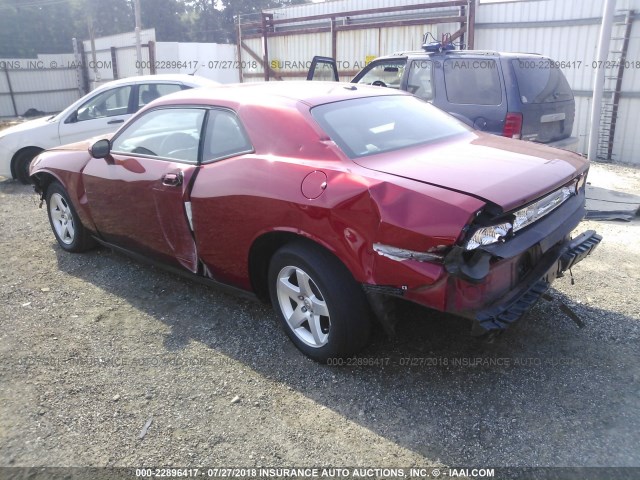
166, 16
29, 27
110, 17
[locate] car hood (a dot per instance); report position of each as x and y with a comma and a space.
21, 127
505, 172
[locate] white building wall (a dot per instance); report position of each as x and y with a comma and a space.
211, 60
101, 71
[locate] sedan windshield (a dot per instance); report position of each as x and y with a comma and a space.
366, 126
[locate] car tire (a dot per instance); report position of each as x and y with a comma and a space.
23, 161
71, 235
328, 317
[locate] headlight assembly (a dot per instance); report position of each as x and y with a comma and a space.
488, 235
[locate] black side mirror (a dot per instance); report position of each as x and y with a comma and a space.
100, 149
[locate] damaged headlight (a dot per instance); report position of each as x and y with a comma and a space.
488, 235
400, 254
526, 216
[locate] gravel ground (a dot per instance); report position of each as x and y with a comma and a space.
94, 346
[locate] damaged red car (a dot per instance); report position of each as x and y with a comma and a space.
325, 199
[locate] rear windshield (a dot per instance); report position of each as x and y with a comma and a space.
366, 126
539, 81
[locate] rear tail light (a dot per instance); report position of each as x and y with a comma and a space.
512, 125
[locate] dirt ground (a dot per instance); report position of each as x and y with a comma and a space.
95, 346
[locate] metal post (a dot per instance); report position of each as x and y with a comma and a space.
114, 63
86, 84
13, 98
151, 47
598, 82
463, 25
136, 6
334, 39
92, 36
471, 25
239, 50
78, 61
265, 47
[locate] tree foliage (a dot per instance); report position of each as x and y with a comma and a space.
29, 27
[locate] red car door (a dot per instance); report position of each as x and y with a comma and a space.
139, 195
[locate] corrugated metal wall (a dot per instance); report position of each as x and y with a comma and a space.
565, 30
568, 30
47, 83
292, 53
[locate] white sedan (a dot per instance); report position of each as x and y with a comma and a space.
101, 111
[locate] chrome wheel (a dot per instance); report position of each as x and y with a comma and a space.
303, 306
62, 218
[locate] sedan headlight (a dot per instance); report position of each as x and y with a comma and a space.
488, 235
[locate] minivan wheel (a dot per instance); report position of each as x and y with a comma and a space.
321, 307
67, 227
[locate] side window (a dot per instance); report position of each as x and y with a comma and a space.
472, 81
386, 73
420, 81
171, 133
148, 92
323, 69
106, 104
224, 136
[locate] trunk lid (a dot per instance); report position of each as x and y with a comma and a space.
505, 172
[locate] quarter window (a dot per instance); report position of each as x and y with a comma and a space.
225, 137
171, 133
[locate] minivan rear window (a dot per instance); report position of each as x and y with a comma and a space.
539, 81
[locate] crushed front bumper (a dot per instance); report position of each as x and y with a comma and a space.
552, 265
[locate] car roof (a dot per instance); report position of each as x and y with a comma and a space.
191, 80
456, 53
310, 93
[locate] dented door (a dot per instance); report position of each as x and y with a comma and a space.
139, 195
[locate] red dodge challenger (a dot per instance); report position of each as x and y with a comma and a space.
326, 199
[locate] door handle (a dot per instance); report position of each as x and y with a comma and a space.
172, 179
113, 122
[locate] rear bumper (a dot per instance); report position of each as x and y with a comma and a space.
552, 265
